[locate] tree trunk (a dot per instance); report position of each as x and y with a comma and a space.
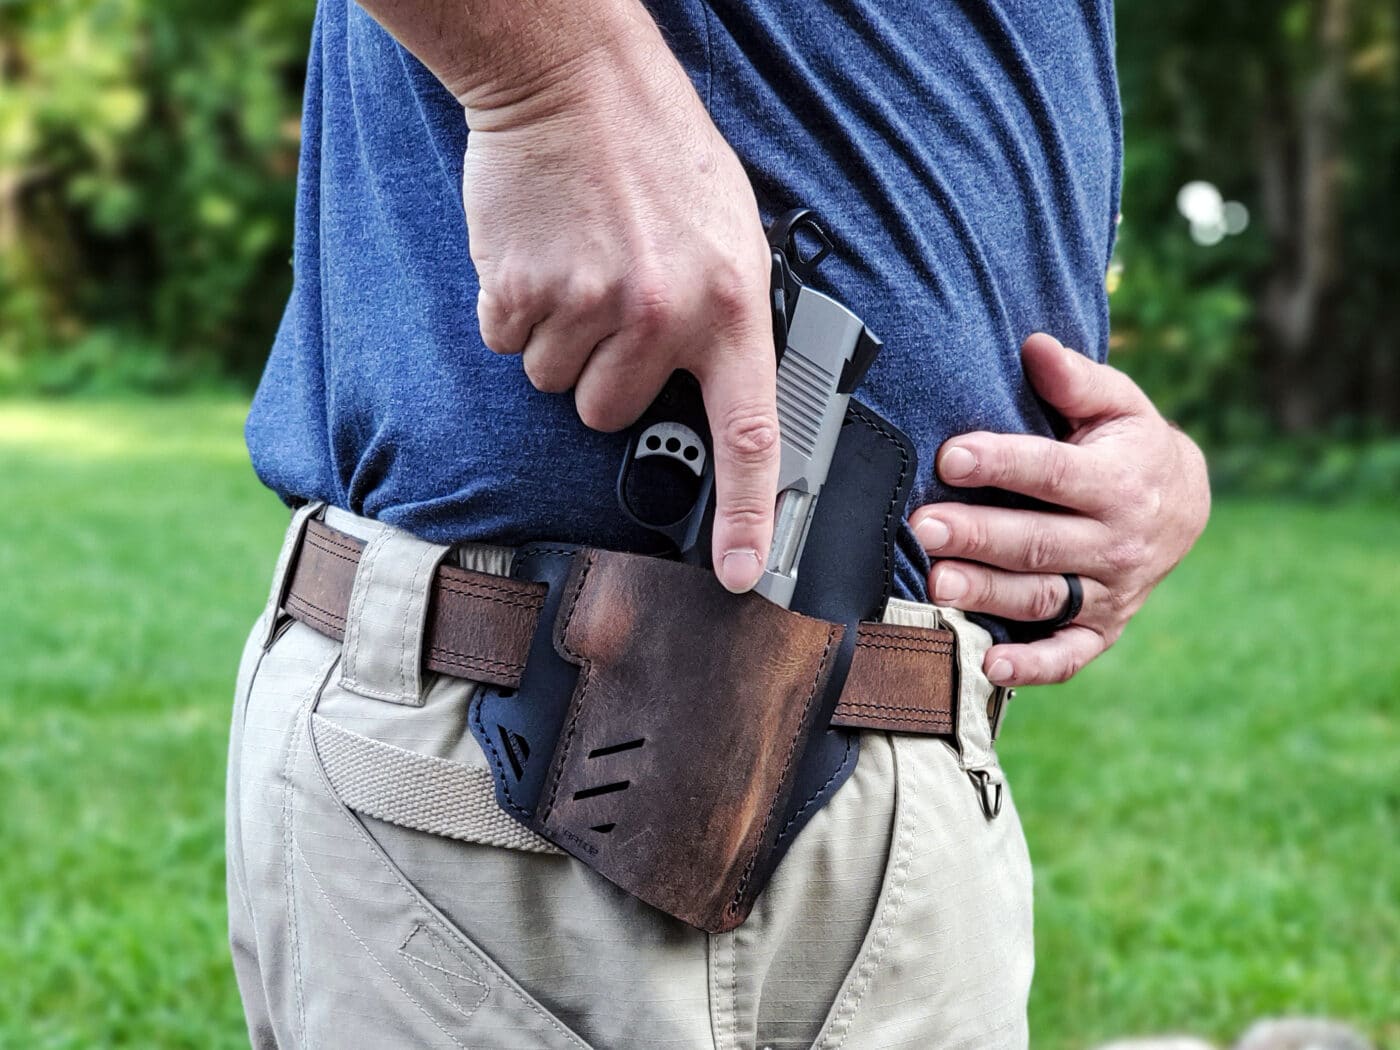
1299, 167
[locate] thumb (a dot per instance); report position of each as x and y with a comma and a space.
739, 386
1078, 388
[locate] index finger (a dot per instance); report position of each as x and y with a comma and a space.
1042, 468
739, 385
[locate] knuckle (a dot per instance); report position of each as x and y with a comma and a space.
732, 291
589, 292
1003, 463
650, 303
1040, 550
973, 532
1126, 556
1057, 472
545, 375
1066, 668
1046, 601
599, 413
1150, 500
743, 512
511, 289
1133, 490
749, 432
985, 586
1121, 604
494, 336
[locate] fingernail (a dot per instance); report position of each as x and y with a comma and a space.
1000, 672
949, 586
739, 570
957, 462
931, 533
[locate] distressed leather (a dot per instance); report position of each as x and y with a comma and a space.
480, 626
678, 757
680, 745
894, 672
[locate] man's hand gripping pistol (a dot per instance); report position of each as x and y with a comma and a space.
823, 350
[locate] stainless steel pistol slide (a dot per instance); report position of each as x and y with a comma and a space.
823, 351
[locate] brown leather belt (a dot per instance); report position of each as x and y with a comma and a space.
902, 679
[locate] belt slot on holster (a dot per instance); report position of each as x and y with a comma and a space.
670, 735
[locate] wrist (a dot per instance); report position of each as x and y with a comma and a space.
565, 71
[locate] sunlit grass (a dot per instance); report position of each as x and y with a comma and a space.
1213, 808
135, 560
208, 430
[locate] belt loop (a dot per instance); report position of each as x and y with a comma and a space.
382, 653
282, 575
1000, 700
978, 716
974, 690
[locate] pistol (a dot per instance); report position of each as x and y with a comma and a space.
822, 351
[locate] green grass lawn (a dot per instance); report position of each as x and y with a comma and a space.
1213, 809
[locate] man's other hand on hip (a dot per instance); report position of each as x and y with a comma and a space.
1132, 494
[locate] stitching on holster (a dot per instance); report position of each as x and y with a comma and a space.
869, 419
866, 419
832, 633
570, 606
841, 768
495, 756
503, 794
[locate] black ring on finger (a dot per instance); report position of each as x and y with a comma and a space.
1074, 602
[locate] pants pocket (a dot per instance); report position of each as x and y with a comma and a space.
946, 962
341, 950
441, 985
603, 964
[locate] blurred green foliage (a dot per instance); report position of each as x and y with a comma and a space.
147, 165
148, 153
1291, 107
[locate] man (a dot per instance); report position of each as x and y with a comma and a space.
620, 165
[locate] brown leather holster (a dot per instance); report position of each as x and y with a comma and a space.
678, 751
647, 721
675, 737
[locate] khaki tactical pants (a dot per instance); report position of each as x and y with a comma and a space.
378, 898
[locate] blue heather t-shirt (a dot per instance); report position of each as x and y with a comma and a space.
964, 156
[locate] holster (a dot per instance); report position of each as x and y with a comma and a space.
675, 737
680, 743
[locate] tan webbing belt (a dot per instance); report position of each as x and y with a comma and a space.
902, 679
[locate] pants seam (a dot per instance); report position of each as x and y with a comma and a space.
235, 774
353, 823
885, 922
368, 951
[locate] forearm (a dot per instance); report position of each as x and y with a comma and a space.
498, 55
